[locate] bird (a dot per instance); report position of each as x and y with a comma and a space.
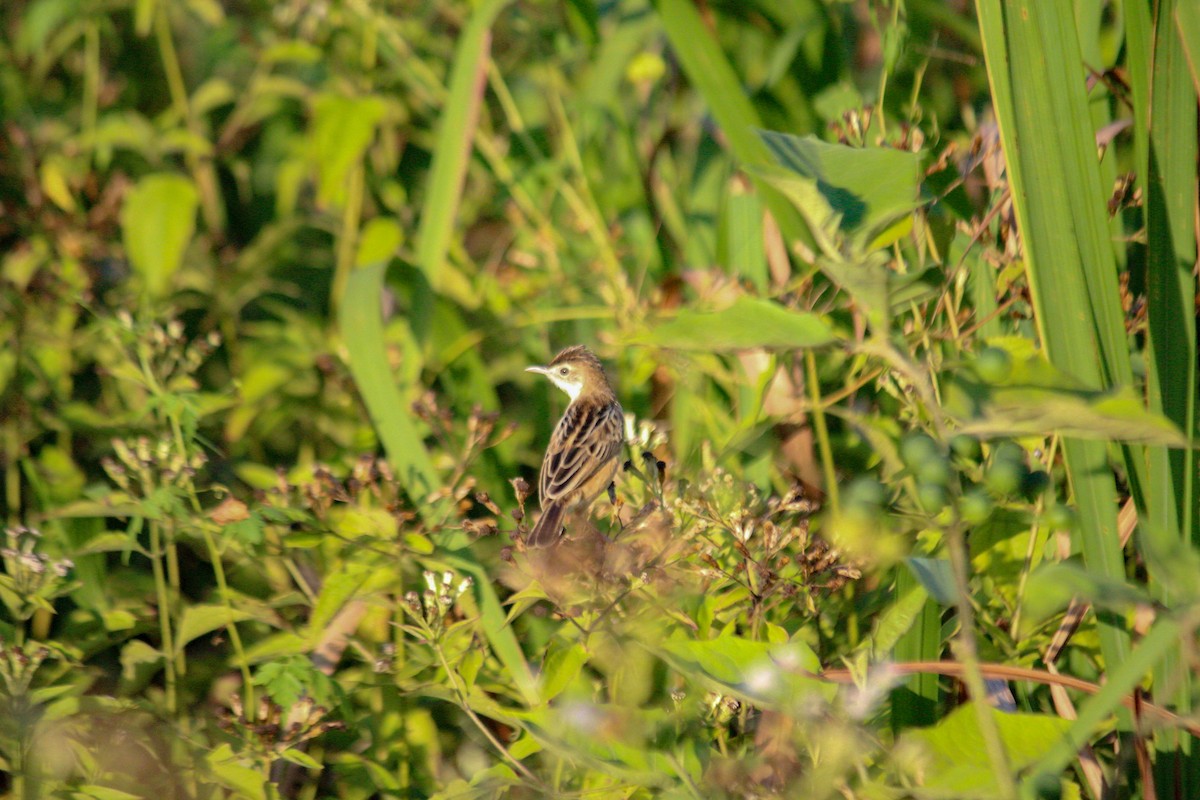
581, 460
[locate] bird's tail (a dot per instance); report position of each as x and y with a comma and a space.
549, 527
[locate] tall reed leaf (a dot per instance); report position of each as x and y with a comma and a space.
1059, 202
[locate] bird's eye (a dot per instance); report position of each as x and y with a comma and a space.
563, 371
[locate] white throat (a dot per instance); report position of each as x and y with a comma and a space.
572, 389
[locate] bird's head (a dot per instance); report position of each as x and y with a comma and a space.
577, 372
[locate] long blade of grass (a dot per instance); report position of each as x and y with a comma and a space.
1050, 149
1169, 521
710, 71
361, 320
455, 132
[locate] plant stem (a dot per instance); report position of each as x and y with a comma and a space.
968, 654
461, 691
821, 429
164, 612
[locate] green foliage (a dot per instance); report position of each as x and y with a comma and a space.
910, 376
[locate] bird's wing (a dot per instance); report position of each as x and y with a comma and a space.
587, 438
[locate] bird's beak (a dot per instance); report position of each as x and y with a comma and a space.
539, 370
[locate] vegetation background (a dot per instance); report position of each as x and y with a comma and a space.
900, 297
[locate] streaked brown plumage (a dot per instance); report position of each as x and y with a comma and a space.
582, 458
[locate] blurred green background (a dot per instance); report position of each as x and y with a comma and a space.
899, 298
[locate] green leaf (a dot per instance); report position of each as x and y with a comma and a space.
707, 67
612, 739
201, 619
1162, 641
868, 189
284, 643
958, 765
158, 219
775, 676
455, 133
561, 667
469, 666
234, 772
748, 323
361, 321
1037, 398
342, 127
499, 633
300, 758
936, 575
139, 661
288, 679
1052, 587
523, 600
341, 586
98, 792
1059, 202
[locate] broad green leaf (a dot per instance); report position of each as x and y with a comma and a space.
868, 189
342, 127
1051, 588
353, 580
748, 323
98, 792
158, 219
775, 676
1121, 678
936, 575
195, 621
896, 619
741, 246
561, 667
284, 643
611, 738
235, 772
958, 765
1036, 397
138, 662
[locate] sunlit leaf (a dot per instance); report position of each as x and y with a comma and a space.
747, 323
868, 189
198, 620
1035, 397
158, 218
560, 668
959, 766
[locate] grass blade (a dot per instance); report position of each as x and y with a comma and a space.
1050, 149
455, 132
710, 71
1168, 521
361, 321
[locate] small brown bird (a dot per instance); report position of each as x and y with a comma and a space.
581, 460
